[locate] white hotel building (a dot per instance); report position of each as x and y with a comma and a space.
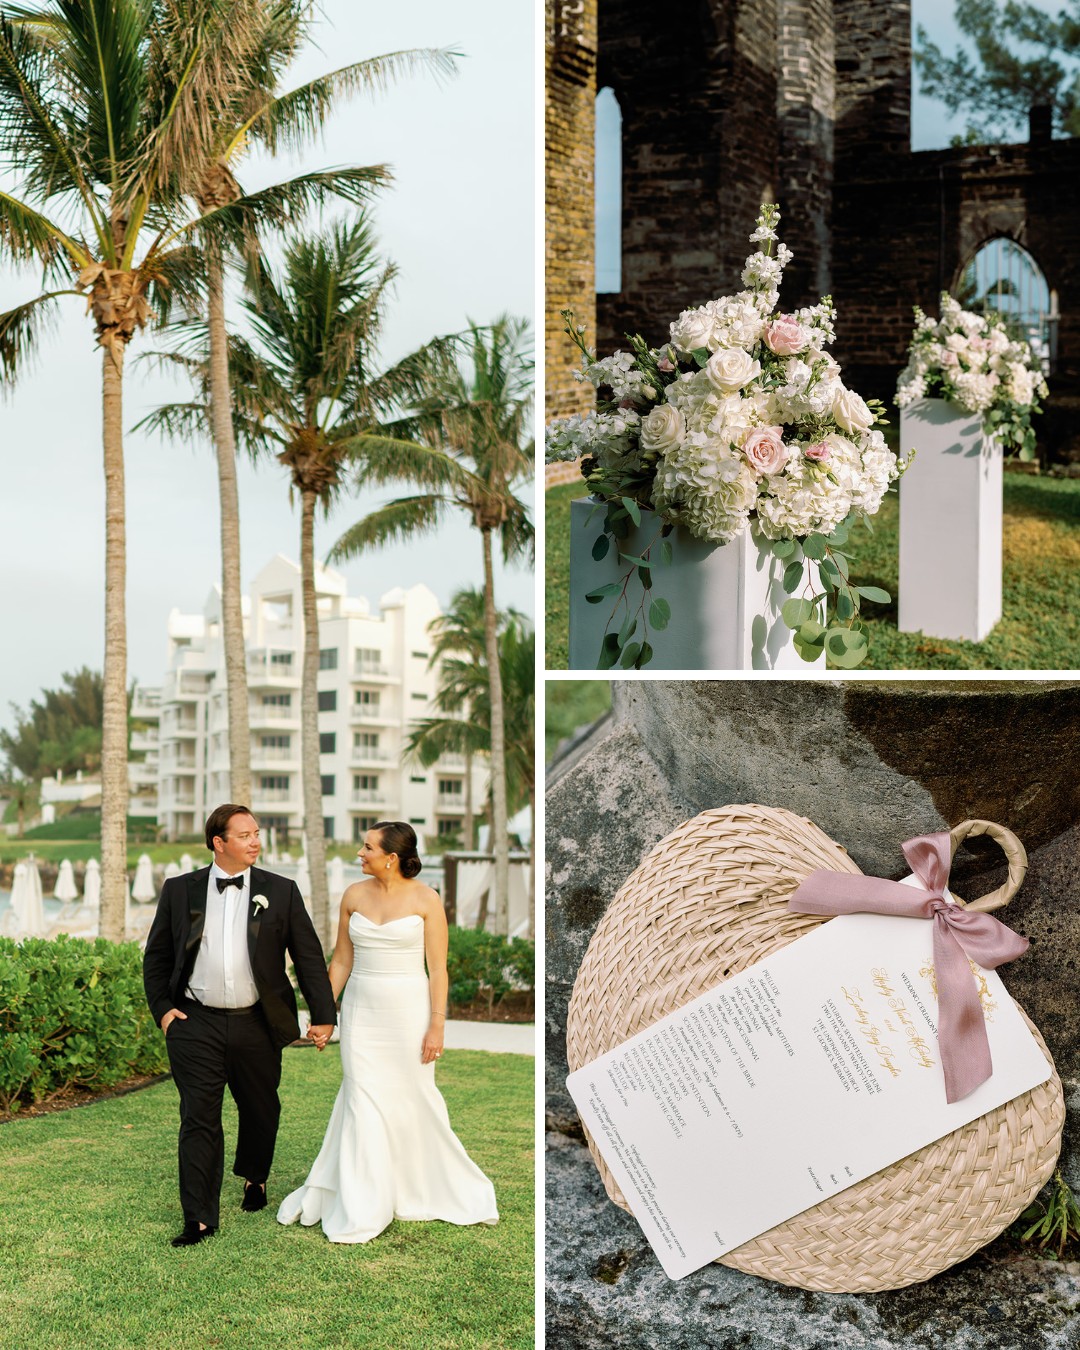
374, 682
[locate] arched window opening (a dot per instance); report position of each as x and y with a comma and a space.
1003, 278
608, 188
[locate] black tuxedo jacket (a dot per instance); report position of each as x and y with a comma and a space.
283, 925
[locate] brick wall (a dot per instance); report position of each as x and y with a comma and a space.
570, 119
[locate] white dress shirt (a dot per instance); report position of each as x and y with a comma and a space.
221, 976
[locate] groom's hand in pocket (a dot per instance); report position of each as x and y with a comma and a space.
169, 1017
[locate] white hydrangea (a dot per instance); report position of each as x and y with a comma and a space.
975, 389
712, 494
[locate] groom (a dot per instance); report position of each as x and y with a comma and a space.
214, 973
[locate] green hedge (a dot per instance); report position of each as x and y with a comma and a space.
481, 965
72, 1014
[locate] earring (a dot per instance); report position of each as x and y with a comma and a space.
388, 867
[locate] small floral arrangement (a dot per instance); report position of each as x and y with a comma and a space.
971, 360
260, 902
740, 420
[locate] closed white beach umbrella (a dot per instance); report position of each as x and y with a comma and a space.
27, 901
143, 887
66, 890
92, 884
335, 879
186, 863
172, 869
303, 877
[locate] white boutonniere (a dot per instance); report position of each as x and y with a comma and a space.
260, 902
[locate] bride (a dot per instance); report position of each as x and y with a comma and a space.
389, 1151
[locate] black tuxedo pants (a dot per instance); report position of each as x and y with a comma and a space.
207, 1052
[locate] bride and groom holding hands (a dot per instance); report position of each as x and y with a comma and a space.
216, 982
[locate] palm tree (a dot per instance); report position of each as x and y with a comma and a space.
462, 442
288, 120
101, 105
457, 634
465, 726
300, 385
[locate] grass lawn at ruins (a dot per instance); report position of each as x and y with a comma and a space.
88, 1203
1040, 624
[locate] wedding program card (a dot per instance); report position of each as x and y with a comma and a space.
811, 1070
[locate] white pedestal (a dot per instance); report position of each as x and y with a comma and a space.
725, 599
950, 524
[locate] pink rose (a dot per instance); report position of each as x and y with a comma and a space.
665, 365
785, 335
765, 450
819, 451
949, 359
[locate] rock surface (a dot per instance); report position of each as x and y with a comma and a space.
872, 763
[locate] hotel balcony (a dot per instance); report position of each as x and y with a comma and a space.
449, 762
370, 796
361, 714
276, 755
370, 672
274, 715
146, 705
265, 673
450, 801
361, 756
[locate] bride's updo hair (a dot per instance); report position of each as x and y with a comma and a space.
397, 837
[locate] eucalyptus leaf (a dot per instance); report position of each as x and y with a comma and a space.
796, 612
659, 613
630, 655
874, 593
783, 548
845, 605
632, 509
602, 592
638, 562
645, 577
644, 656
701, 356
814, 546
609, 651
601, 546
626, 632
665, 551
793, 575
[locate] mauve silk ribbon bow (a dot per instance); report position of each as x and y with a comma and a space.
958, 934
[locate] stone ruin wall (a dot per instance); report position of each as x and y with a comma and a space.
809, 103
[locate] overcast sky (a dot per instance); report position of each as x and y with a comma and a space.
459, 222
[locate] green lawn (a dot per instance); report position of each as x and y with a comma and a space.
88, 1203
1040, 626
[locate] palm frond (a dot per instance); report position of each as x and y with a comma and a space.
22, 328
292, 120
26, 234
398, 520
379, 459
177, 422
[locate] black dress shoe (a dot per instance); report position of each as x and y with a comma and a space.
254, 1197
192, 1234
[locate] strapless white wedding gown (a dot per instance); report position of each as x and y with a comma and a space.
389, 1151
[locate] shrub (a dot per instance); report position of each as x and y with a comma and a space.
72, 1015
481, 965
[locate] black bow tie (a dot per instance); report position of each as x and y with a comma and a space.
237, 881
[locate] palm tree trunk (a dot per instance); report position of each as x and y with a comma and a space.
309, 726
499, 833
232, 618
468, 828
532, 864
114, 730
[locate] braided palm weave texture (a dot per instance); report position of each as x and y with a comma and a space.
707, 902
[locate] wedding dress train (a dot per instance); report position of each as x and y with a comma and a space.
389, 1151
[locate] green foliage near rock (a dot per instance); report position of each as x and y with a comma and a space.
483, 965
72, 1015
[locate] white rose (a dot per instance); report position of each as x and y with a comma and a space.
731, 370
663, 430
692, 330
850, 411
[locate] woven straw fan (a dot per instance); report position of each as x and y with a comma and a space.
710, 900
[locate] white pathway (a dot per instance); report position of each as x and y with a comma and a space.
507, 1038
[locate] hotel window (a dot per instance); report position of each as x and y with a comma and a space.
327, 700
328, 658
327, 742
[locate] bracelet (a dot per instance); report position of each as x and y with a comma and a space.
442, 1015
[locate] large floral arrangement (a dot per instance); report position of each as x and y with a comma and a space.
971, 360
740, 418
